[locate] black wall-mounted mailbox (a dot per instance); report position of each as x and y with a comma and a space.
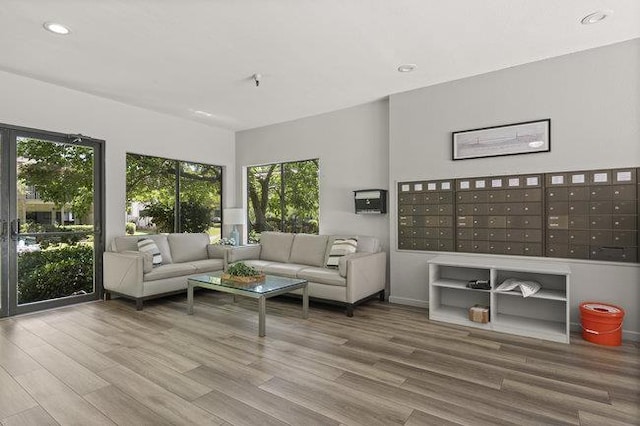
371, 201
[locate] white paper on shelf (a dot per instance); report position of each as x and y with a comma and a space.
514, 182
532, 181
464, 184
527, 288
577, 179
405, 188
557, 180
480, 184
445, 185
496, 183
417, 187
431, 186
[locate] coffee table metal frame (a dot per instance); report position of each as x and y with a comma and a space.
260, 291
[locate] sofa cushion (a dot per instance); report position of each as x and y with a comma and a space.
340, 247
170, 271
237, 254
258, 264
368, 245
130, 243
283, 269
207, 265
148, 247
309, 249
322, 276
216, 251
188, 247
276, 246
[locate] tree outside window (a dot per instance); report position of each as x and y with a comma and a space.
283, 197
165, 195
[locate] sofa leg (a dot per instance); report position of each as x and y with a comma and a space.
381, 295
350, 310
107, 295
139, 304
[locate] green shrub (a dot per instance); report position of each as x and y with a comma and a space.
58, 271
194, 217
130, 228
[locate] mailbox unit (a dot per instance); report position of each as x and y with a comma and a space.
370, 201
591, 214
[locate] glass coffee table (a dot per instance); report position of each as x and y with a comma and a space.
269, 287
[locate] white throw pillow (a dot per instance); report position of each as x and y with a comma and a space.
147, 245
341, 247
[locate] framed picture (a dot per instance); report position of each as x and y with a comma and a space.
511, 139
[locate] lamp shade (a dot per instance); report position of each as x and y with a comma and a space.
233, 216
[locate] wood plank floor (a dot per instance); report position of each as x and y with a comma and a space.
105, 363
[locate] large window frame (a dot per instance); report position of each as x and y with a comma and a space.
285, 222
178, 183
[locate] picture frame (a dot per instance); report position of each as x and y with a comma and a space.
528, 137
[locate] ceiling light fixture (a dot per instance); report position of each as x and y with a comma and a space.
407, 67
595, 17
56, 28
202, 113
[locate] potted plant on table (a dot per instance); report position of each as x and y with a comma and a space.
242, 273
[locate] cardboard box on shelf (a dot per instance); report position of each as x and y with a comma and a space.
479, 313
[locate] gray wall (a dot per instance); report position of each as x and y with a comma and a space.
593, 100
352, 145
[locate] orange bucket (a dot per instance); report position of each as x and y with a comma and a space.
601, 323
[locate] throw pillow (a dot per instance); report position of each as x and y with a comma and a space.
341, 247
147, 245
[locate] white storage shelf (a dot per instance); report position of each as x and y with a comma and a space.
543, 315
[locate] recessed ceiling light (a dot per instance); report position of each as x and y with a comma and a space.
56, 28
407, 67
202, 113
595, 17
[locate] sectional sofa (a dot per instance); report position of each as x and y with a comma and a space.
358, 275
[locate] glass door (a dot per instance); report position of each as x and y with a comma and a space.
4, 215
53, 209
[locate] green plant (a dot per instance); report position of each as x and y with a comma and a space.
194, 217
242, 270
130, 228
58, 271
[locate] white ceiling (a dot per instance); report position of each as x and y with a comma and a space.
315, 56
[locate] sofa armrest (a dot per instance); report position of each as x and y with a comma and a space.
236, 254
123, 272
366, 274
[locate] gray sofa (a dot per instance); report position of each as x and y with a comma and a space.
359, 275
130, 273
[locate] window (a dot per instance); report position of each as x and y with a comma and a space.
283, 197
166, 195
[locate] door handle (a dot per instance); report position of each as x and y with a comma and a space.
15, 229
3, 230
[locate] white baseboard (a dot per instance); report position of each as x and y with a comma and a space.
410, 302
629, 335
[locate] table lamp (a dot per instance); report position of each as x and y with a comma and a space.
233, 217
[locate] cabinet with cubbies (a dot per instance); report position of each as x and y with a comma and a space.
543, 315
